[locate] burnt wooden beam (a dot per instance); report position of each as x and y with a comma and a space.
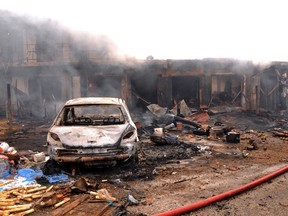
9, 106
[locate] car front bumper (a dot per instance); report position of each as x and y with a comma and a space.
87, 155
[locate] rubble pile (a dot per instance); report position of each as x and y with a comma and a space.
171, 136
181, 118
25, 189
58, 198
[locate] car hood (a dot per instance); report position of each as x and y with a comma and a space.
91, 136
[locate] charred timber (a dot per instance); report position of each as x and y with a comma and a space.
188, 122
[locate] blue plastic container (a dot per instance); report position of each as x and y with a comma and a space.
4, 168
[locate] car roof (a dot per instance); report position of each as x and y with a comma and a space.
94, 100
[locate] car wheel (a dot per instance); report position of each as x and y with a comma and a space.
133, 161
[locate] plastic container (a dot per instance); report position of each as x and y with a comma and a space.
4, 166
11, 151
4, 147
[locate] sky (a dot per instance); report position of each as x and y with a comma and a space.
175, 29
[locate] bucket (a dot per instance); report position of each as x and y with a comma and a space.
233, 137
3, 147
216, 131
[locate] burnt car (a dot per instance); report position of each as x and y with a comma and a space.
93, 131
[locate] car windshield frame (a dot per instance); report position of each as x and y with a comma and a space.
91, 115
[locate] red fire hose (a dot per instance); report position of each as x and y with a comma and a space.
225, 195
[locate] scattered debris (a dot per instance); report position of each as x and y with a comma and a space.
132, 199
252, 145
164, 139
103, 194
163, 147
39, 157
233, 168
282, 134
70, 206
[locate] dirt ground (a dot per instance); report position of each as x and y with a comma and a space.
174, 175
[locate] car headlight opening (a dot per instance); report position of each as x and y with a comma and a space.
54, 136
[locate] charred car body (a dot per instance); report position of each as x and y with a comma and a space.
93, 131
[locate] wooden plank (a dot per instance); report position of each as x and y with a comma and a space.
275, 87
65, 209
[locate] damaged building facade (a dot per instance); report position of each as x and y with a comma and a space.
43, 65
